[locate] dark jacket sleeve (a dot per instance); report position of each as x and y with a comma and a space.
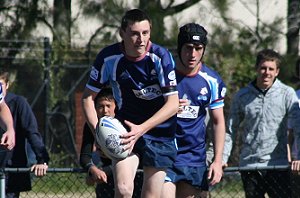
26, 128
28, 125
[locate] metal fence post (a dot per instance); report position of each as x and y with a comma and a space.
2, 183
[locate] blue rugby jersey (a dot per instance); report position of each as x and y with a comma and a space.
203, 90
139, 84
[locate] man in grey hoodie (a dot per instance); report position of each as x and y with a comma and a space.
261, 111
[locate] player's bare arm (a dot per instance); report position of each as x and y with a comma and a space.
8, 138
89, 108
216, 172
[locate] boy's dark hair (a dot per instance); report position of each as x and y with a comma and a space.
134, 15
4, 74
268, 55
105, 93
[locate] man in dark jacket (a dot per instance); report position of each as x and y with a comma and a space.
26, 129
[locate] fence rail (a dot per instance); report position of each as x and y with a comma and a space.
70, 182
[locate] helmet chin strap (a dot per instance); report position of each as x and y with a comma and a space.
203, 53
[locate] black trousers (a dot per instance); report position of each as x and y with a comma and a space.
276, 183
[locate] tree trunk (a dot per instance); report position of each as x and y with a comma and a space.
293, 27
62, 21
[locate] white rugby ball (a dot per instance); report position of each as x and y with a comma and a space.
108, 133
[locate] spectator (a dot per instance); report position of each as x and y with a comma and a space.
262, 109
199, 88
143, 80
99, 170
26, 128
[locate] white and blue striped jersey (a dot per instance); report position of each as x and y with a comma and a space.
139, 84
203, 90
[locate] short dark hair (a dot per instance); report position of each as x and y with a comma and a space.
268, 55
4, 74
105, 93
134, 15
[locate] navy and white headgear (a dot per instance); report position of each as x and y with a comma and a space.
191, 33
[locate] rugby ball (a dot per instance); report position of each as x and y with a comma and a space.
108, 131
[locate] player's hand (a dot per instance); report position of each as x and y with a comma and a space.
182, 104
39, 169
8, 139
130, 138
97, 175
215, 173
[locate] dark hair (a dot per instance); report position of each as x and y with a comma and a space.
134, 15
191, 33
268, 55
105, 93
4, 74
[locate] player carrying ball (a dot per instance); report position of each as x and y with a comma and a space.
143, 80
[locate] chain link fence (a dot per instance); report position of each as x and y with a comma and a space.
51, 82
70, 182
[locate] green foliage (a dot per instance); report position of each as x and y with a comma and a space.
232, 51
63, 184
61, 159
221, 5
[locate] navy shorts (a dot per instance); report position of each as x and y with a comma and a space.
196, 176
155, 153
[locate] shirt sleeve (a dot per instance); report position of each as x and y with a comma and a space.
165, 67
28, 124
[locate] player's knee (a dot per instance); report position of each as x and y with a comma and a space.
125, 189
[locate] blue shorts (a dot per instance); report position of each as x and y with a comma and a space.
155, 153
196, 176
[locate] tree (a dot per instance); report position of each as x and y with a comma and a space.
293, 25
157, 9
19, 19
62, 21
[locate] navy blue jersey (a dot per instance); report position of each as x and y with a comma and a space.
203, 90
139, 84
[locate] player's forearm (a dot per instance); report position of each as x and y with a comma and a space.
169, 109
219, 138
6, 118
219, 133
219, 144
89, 111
